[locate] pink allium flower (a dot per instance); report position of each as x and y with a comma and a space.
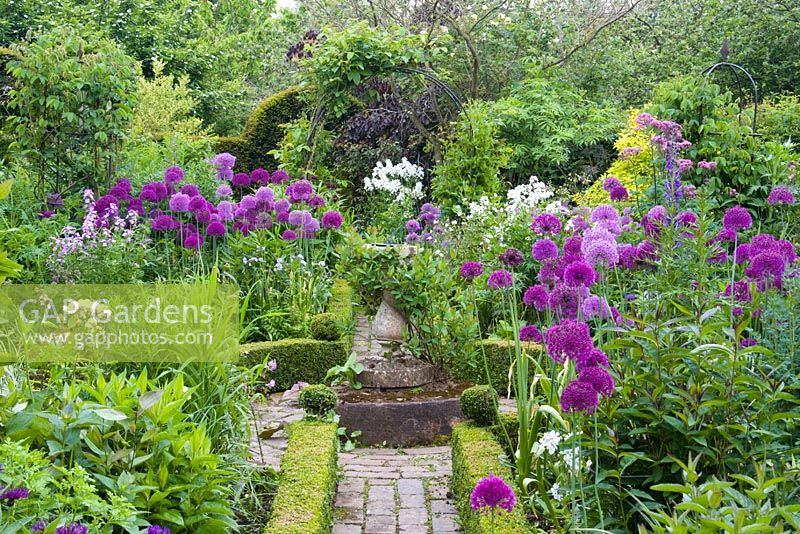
331, 220
546, 224
530, 333
780, 195
536, 296
500, 279
737, 218
492, 492
544, 249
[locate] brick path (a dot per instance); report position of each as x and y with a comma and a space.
391, 491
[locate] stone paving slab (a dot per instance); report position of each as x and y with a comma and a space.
276, 412
398, 491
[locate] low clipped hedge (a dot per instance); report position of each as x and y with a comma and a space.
307, 482
262, 131
499, 355
475, 455
306, 360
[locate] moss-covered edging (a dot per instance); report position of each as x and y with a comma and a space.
307, 360
307, 483
475, 455
499, 355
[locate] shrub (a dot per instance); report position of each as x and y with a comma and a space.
299, 360
318, 399
304, 502
479, 403
262, 131
71, 106
340, 303
475, 455
324, 327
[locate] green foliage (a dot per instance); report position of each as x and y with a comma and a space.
325, 327
8, 267
476, 455
479, 403
58, 495
72, 102
779, 119
343, 60
263, 133
472, 160
299, 155
318, 400
757, 503
304, 502
299, 360
546, 123
346, 373
340, 303
499, 355
135, 440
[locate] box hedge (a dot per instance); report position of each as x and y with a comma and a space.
307, 482
499, 355
475, 455
306, 360
262, 132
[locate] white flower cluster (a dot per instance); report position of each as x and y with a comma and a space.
402, 181
525, 197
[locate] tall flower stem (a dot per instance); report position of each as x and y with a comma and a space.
597, 472
524, 455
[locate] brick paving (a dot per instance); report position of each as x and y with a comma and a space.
395, 491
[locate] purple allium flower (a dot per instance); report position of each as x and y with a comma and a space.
332, 220
265, 194
260, 176
299, 191
737, 218
546, 224
173, 175
604, 213
551, 271
310, 227
46, 214
223, 191
412, 237
708, 165
288, 235
164, 223
279, 176
610, 183
316, 201
39, 526
579, 397
536, 296
193, 241
429, 213
492, 492
412, 225
726, 235
619, 194
240, 179
592, 358
572, 246
580, 273
767, 266
282, 206
179, 202
720, 257
471, 270
600, 380
190, 190
512, 257
74, 528
530, 333
595, 306
686, 218
780, 195
565, 300
158, 529
216, 229
544, 249
600, 252
568, 339
197, 203
500, 279
224, 160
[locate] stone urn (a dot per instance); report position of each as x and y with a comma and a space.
389, 322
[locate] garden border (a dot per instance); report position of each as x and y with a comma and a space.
475, 455
307, 484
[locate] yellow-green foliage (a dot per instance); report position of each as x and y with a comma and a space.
499, 354
631, 171
304, 502
164, 107
476, 455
